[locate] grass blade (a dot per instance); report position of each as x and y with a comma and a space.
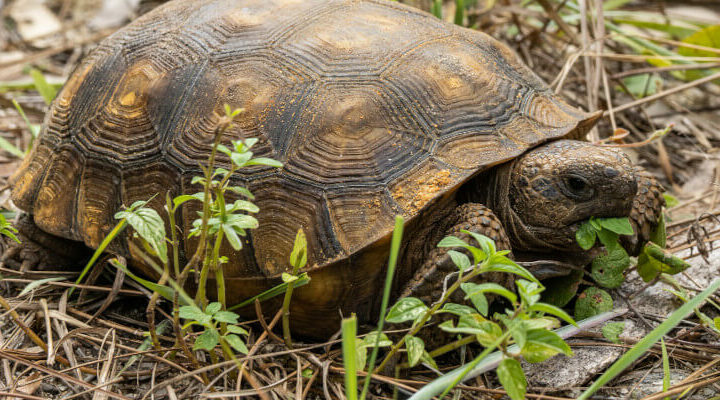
392, 262
349, 330
650, 339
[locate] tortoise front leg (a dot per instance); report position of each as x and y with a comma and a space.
429, 281
39, 248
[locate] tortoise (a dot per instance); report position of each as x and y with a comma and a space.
375, 109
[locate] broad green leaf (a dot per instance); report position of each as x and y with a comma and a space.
240, 159
659, 234
236, 343
452, 241
607, 270
150, 226
237, 329
552, 310
473, 288
207, 340
287, 278
298, 256
226, 316
241, 191
457, 309
670, 201
512, 378
529, 291
621, 226
406, 309
477, 298
177, 201
36, 284
232, 237
415, 348
609, 239
612, 330
371, 338
707, 37
592, 301
541, 344
212, 308
642, 85
500, 263
243, 205
486, 244
460, 260
671, 264
585, 235
560, 290
647, 267
193, 313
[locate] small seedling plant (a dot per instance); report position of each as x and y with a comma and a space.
225, 216
526, 322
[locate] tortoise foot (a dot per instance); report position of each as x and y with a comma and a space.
38, 249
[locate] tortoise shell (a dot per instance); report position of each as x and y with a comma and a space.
375, 109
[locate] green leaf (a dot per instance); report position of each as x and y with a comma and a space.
287, 278
406, 309
232, 237
541, 344
241, 191
499, 263
643, 85
460, 260
207, 340
707, 37
473, 288
298, 256
612, 330
585, 235
607, 270
226, 316
592, 301
552, 310
242, 205
237, 329
240, 159
372, 337
164, 291
478, 299
560, 290
512, 378
36, 284
193, 313
150, 226
670, 201
457, 309
647, 267
179, 200
486, 244
212, 308
265, 161
621, 226
609, 239
452, 241
529, 291
415, 349
236, 343
11, 148
670, 264
659, 234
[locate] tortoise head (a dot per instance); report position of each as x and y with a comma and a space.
553, 188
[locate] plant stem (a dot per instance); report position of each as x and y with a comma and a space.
429, 313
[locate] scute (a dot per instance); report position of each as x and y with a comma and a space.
376, 109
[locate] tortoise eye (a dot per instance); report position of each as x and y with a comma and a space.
578, 188
576, 184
